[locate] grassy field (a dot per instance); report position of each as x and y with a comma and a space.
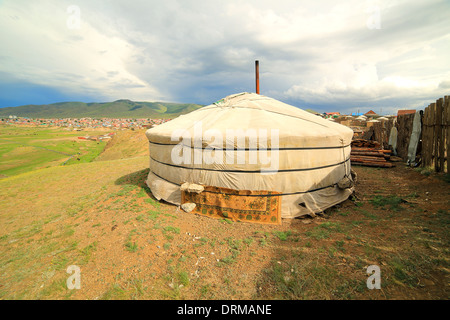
101, 217
24, 149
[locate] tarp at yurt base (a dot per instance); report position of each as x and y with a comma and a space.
251, 158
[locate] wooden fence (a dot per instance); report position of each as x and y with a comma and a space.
433, 148
436, 135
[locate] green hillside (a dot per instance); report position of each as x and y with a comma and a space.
24, 149
116, 109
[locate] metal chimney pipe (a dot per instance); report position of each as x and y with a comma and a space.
257, 75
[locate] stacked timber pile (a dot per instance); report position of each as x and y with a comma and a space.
369, 153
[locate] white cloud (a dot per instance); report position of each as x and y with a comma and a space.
317, 53
40, 48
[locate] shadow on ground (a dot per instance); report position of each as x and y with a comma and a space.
135, 178
138, 179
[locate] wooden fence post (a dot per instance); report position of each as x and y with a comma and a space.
426, 158
447, 124
438, 142
433, 133
439, 150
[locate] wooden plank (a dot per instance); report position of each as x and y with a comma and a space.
425, 133
433, 133
369, 164
404, 125
419, 150
431, 146
438, 138
370, 150
364, 158
444, 134
387, 131
442, 137
447, 126
368, 153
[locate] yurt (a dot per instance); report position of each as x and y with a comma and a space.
251, 158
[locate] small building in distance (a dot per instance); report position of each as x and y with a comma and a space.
331, 114
371, 113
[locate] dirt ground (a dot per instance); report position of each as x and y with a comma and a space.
130, 246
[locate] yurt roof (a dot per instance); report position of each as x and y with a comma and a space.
253, 111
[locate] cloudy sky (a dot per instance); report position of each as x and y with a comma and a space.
326, 55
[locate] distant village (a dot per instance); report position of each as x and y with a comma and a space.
359, 122
79, 124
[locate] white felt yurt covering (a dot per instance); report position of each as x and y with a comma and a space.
313, 153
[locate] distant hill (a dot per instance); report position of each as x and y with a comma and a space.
116, 109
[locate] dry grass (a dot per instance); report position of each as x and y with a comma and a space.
126, 144
101, 217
